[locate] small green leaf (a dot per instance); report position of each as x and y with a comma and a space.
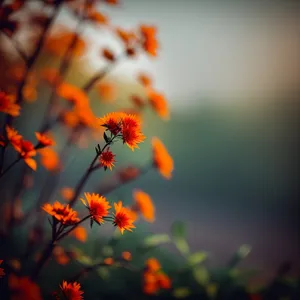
196, 258
156, 239
103, 273
182, 246
244, 251
178, 230
106, 138
201, 275
181, 292
81, 257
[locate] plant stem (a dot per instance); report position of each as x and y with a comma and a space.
48, 250
45, 256
117, 184
10, 166
101, 74
72, 228
87, 173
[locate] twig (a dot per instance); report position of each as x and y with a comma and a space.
21, 53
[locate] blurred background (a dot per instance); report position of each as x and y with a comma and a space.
231, 73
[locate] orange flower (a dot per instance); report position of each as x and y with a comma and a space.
131, 132
62, 213
22, 288
128, 173
112, 121
80, 233
60, 255
112, 2
123, 217
50, 75
97, 205
27, 151
44, 139
126, 255
128, 37
86, 117
144, 205
70, 119
159, 104
145, 80
98, 17
73, 94
108, 54
108, 261
50, 159
154, 278
138, 101
8, 105
153, 265
107, 91
107, 159
58, 43
1, 269
71, 291
163, 281
67, 193
29, 92
13, 137
149, 41
161, 158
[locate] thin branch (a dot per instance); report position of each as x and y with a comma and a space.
21, 53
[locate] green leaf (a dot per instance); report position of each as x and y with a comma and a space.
244, 251
81, 257
239, 255
156, 239
106, 138
182, 246
197, 258
201, 275
103, 272
181, 292
178, 230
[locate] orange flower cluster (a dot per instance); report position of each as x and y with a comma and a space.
107, 91
61, 213
23, 288
149, 40
50, 159
58, 43
81, 114
8, 105
162, 159
25, 148
71, 291
143, 205
154, 278
127, 126
156, 99
44, 140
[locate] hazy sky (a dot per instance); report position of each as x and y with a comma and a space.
214, 49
